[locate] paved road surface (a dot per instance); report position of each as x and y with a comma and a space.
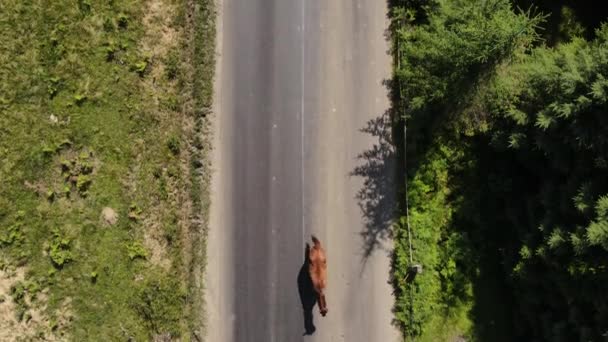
298, 81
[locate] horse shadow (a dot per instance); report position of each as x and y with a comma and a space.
308, 296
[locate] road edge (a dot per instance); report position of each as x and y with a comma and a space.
212, 274
201, 33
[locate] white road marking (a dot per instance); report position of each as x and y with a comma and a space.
302, 109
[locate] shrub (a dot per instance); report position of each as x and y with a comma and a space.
18, 292
79, 99
171, 102
173, 144
172, 64
77, 171
159, 302
66, 190
171, 233
53, 86
108, 25
110, 51
136, 250
123, 21
59, 249
84, 6
134, 212
82, 184
13, 235
140, 68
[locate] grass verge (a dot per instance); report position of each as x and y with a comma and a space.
202, 63
103, 170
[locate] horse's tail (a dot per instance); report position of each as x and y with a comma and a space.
316, 241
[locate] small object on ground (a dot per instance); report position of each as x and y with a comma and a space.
412, 271
417, 268
109, 216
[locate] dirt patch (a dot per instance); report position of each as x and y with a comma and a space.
109, 216
155, 244
158, 26
11, 328
8, 321
160, 35
160, 39
36, 187
162, 338
35, 323
63, 318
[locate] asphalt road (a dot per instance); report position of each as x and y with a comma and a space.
299, 150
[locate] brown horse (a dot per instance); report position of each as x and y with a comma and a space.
318, 272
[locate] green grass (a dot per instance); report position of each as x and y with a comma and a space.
434, 306
88, 120
202, 65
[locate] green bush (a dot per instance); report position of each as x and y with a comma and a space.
507, 175
50, 195
134, 212
110, 50
136, 250
443, 58
172, 64
173, 143
82, 184
59, 249
140, 68
79, 99
159, 302
53, 86
108, 25
18, 293
12, 235
123, 21
77, 172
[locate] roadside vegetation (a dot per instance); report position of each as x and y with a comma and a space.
507, 159
102, 168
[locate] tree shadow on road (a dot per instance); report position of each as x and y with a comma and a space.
308, 296
377, 197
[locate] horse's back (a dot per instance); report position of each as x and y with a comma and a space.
318, 267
